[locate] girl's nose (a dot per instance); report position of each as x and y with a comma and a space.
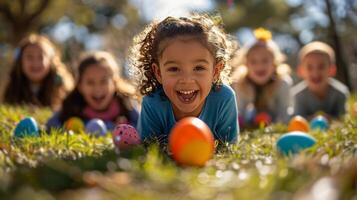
98, 88
39, 62
186, 78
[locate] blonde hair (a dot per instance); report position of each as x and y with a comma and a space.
148, 46
263, 39
317, 47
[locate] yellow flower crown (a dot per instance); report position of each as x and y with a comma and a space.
262, 34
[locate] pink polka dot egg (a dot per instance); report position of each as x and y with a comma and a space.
125, 136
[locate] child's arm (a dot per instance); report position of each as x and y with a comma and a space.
148, 126
341, 105
228, 128
284, 102
299, 99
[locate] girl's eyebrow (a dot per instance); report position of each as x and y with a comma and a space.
201, 60
169, 62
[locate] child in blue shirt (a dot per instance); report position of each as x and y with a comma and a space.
181, 64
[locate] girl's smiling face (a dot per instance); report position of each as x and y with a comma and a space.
35, 63
97, 86
260, 64
186, 71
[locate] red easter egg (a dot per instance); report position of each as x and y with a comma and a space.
263, 118
125, 136
191, 142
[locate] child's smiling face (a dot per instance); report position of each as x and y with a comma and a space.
35, 63
97, 86
316, 71
260, 63
186, 70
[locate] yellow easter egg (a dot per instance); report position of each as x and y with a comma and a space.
74, 124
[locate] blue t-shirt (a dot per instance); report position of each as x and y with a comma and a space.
219, 112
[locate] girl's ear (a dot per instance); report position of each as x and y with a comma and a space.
217, 70
157, 72
301, 71
332, 70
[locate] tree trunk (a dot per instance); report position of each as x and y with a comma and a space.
342, 66
22, 22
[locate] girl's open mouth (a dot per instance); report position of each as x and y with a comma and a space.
187, 96
261, 73
36, 69
98, 99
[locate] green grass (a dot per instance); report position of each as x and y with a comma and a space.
62, 165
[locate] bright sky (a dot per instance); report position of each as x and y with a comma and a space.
159, 9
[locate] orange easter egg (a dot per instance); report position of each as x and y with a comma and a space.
191, 142
298, 123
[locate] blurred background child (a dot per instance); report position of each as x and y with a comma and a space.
100, 92
181, 65
261, 81
318, 92
38, 76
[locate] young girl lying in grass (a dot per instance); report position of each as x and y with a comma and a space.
182, 69
100, 92
38, 76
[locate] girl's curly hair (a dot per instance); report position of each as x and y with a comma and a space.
148, 46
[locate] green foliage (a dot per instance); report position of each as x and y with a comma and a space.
63, 165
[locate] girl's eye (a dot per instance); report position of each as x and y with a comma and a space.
90, 82
200, 68
172, 69
105, 81
28, 57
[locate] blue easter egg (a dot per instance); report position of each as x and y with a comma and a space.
294, 142
96, 127
319, 122
26, 127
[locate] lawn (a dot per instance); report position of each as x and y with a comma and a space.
63, 165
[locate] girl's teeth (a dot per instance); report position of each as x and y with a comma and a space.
187, 92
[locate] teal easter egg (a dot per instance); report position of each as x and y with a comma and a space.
26, 127
319, 122
96, 127
294, 142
